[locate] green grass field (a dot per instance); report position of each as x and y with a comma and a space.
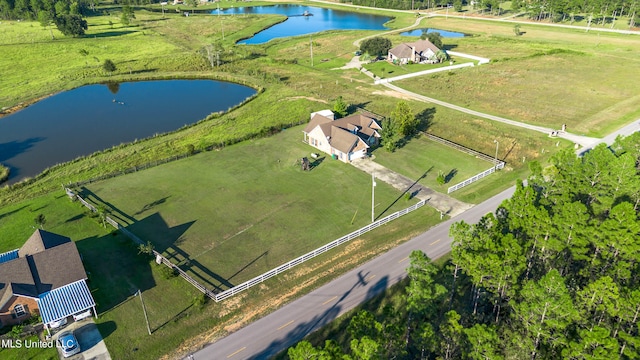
547, 76
231, 215
422, 155
116, 271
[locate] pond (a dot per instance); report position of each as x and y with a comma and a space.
443, 33
96, 117
318, 19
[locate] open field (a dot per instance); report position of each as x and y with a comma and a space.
574, 78
422, 155
177, 317
228, 216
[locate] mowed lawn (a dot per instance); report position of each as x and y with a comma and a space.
227, 216
547, 76
422, 156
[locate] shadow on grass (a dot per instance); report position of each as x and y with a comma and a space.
114, 268
107, 328
9, 213
175, 317
413, 193
110, 34
450, 175
249, 264
509, 151
112, 211
167, 239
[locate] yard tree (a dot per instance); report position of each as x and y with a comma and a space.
389, 134
45, 19
405, 118
376, 46
126, 15
71, 25
340, 107
192, 3
434, 37
109, 66
40, 220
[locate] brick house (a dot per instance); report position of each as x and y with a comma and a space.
44, 277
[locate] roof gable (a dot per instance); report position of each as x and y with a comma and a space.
315, 121
40, 241
405, 51
50, 261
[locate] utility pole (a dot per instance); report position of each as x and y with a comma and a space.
145, 312
373, 196
496, 158
311, 47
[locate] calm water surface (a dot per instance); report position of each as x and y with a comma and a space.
96, 117
322, 20
443, 33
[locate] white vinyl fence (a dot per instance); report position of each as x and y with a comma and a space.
475, 178
310, 255
258, 279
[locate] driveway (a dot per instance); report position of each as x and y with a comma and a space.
90, 340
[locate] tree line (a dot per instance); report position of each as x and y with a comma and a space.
596, 11
554, 273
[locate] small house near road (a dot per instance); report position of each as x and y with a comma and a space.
45, 276
421, 51
345, 139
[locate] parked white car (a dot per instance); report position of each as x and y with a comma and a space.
82, 315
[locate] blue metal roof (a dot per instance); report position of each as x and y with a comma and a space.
9, 255
64, 301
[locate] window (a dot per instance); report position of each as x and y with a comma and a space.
19, 309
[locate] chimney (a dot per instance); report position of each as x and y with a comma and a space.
413, 53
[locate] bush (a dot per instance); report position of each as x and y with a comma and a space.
167, 272
441, 178
4, 173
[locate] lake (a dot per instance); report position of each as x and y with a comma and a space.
320, 20
443, 33
91, 118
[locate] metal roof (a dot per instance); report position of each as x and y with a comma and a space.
9, 255
64, 301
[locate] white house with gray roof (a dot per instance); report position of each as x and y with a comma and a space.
347, 138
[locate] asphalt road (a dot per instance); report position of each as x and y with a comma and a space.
279, 330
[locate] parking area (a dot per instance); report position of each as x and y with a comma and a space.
89, 338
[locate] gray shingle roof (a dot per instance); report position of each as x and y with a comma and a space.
47, 261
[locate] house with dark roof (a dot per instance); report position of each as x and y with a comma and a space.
421, 51
45, 276
346, 139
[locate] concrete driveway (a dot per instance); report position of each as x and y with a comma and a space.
91, 343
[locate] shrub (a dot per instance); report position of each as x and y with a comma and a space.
441, 178
4, 173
